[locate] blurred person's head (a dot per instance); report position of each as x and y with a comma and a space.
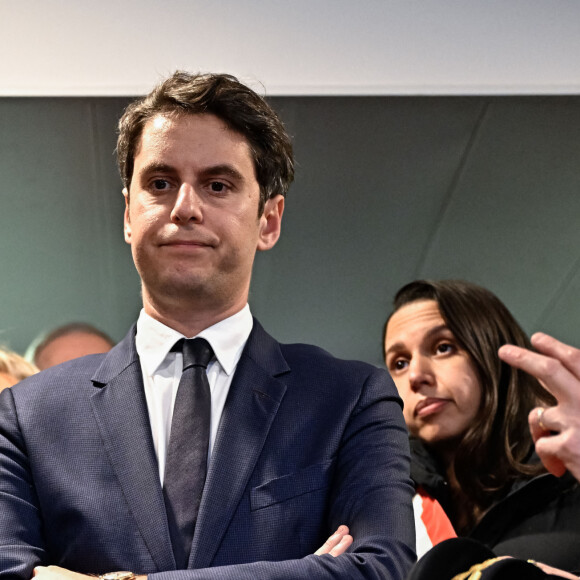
461, 400
68, 342
13, 368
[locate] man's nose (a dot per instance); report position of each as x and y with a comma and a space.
188, 205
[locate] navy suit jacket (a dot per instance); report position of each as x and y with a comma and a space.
306, 442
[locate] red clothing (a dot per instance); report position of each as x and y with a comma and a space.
431, 523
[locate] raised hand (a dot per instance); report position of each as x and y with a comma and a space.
555, 430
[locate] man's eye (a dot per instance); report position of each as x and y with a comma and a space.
217, 186
160, 184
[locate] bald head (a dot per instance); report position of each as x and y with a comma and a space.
70, 342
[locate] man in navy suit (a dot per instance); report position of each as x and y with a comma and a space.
299, 442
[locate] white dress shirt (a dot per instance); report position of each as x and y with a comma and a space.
162, 370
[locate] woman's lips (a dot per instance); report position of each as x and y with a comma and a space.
430, 406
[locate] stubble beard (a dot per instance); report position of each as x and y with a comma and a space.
185, 289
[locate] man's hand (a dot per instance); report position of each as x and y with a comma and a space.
337, 544
555, 430
56, 573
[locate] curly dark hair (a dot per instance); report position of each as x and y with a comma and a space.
222, 95
495, 449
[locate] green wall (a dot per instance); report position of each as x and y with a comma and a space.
382, 196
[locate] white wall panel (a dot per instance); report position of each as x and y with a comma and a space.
297, 47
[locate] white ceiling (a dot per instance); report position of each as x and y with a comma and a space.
301, 47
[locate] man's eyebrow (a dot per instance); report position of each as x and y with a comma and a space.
210, 171
429, 334
157, 167
222, 169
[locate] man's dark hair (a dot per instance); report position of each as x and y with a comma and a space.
496, 447
243, 111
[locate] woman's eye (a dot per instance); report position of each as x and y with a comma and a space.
444, 348
399, 364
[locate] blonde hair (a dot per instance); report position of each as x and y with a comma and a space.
14, 365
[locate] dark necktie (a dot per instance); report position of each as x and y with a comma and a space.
186, 464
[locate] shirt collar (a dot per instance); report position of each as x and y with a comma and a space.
227, 338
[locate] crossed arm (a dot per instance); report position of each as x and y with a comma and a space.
336, 544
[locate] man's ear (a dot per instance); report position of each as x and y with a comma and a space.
126, 218
271, 223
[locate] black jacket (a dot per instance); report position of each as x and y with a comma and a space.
538, 519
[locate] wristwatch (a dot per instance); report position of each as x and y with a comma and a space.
118, 576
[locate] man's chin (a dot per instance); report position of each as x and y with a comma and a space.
186, 288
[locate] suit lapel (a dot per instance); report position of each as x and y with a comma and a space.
121, 412
253, 401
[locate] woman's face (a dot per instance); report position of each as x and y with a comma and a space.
435, 377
